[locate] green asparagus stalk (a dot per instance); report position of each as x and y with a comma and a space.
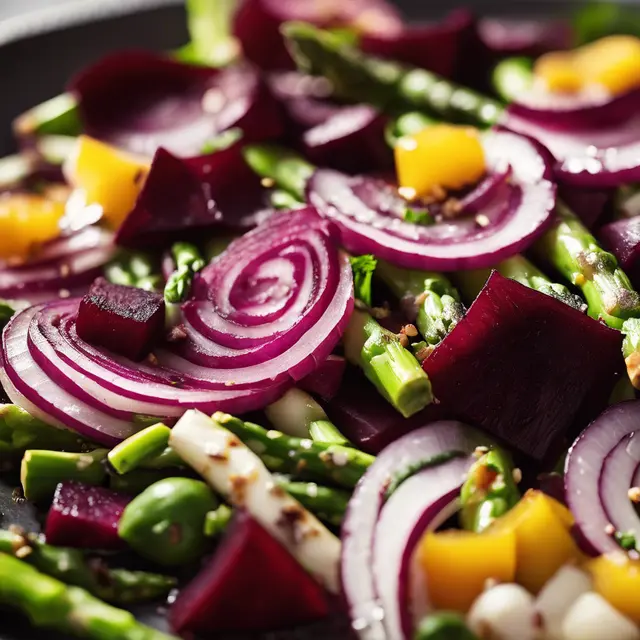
119, 586
489, 491
512, 77
57, 116
406, 124
52, 604
140, 447
363, 268
521, 270
19, 431
390, 86
572, 250
298, 414
427, 298
188, 262
328, 504
134, 269
167, 459
341, 465
42, 470
217, 520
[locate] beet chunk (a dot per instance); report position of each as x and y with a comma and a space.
326, 380
85, 517
251, 583
125, 320
523, 365
622, 238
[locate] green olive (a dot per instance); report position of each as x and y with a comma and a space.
444, 625
165, 523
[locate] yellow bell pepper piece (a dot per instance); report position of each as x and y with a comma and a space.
544, 543
107, 177
27, 220
439, 157
457, 565
617, 579
559, 73
612, 63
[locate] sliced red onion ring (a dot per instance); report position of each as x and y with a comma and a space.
601, 468
271, 307
596, 150
62, 268
141, 101
379, 538
370, 213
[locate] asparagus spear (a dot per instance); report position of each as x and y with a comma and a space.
328, 504
217, 520
119, 586
489, 491
57, 116
42, 470
427, 298
20, 431
188, 262
390, 86
140, 447
51, 604
134, 269
298, 414
341, 465
521, 270
512, 77
573, 251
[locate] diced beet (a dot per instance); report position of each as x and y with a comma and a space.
251, 583
438, 47
85, 517
592, 206
367, 419
622, 238
257, 23
125, 320
326, 380
351, 140
182, 198
142, 101
523, 365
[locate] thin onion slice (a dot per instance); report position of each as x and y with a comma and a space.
369, 213
372, 547
601, 468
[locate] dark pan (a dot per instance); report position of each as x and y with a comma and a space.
38, 53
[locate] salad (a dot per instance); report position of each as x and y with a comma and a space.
327, 318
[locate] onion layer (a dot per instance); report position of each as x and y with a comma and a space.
267, 312
370, 213
379, 537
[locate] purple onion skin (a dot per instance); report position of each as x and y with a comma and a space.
251, 583
528, 365
257, 24
351, 140
180, 199
85, 517
125, 320
622, 238
326, 380
367, 419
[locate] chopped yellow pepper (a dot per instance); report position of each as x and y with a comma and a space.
544, 543
458, 564
612, 63
617, 579
27, 220
107, 177
439, 157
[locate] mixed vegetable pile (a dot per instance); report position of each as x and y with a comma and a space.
301, 320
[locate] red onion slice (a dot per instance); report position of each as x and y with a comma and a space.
369, 213
599, 471
360, 578
605, 154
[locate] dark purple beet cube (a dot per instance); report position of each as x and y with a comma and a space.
252, 583
125, 320
85, 517
326, 380
523, 366
622, 238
